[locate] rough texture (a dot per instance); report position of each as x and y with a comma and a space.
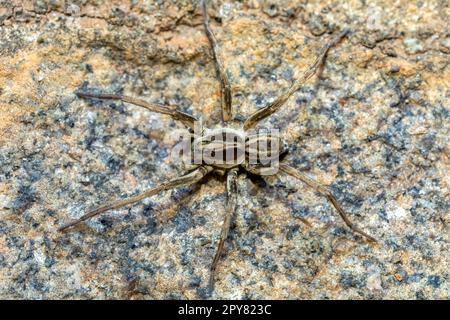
374, 127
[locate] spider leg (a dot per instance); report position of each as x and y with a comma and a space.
324, 192
184, 180
231, 208
172, 111
224, 82
281, 100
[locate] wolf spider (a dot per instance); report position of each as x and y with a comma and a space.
225, 129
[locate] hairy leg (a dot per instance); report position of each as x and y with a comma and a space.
230, 210
224, 82
184, 180
325, 192
172, 111
281, 100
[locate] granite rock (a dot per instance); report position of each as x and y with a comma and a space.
374, 127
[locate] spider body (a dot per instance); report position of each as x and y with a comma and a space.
228, 147
222, 148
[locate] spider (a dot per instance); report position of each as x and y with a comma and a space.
224, 138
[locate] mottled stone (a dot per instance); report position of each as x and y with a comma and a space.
374, 127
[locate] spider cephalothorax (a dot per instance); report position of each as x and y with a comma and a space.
227, 147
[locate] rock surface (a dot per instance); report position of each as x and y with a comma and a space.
374, 127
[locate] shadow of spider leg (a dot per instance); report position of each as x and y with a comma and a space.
184, 180
273, 107
324, 192
230, 210
224, 82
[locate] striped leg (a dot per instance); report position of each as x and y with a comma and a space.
184, 180
231, 208
224, 82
